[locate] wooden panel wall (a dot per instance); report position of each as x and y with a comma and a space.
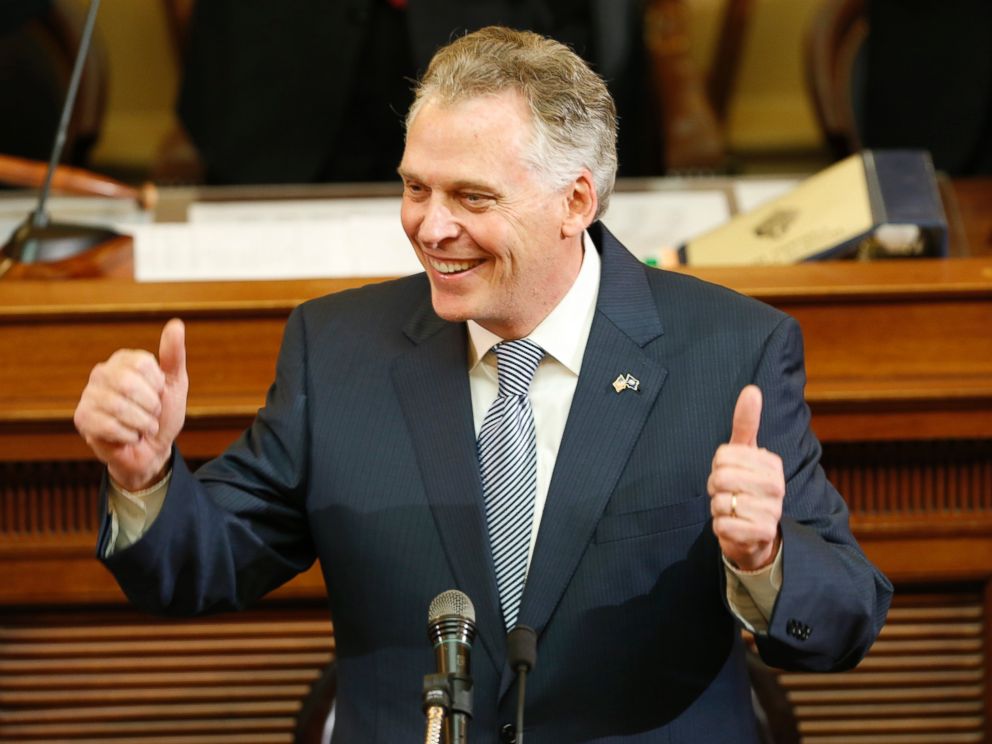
919, 485
48, 502
97, 675
923, 682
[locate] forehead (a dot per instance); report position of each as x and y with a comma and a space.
474, 137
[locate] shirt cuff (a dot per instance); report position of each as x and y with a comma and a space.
132, 512
752, 594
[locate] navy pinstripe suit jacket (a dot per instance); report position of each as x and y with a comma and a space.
364, 457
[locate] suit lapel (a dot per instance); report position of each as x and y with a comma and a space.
432, 385
602, 427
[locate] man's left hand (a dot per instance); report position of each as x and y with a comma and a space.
747, 488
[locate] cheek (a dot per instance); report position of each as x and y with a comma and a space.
410, 220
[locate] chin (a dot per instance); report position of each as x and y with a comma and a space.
451, 311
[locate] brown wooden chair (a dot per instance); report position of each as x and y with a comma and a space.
177, 160
316, 707
835, 66
693, 103
777, 723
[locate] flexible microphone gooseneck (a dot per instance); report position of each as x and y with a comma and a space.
521, 653
448, 694
38, 239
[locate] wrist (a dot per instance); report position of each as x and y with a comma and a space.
761, 561
136, 482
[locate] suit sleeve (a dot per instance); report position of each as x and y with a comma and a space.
237, 528
833, 601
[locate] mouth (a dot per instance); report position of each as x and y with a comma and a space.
449, 268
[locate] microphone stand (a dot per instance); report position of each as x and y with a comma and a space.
448, 693
521, 652
437, 704
447, 703
38, 239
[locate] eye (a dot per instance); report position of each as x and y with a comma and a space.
414, 189
475, 200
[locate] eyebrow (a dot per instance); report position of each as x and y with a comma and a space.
463, 185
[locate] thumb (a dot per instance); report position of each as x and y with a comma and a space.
172, 351
747, 416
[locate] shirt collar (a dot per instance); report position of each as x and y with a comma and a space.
564, 332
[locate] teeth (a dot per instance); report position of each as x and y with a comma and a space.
450, 267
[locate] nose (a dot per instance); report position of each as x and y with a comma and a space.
437, 225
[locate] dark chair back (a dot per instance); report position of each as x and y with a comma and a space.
317, 707
36, 60
835, 72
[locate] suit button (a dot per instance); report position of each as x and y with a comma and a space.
799, 631
507, 734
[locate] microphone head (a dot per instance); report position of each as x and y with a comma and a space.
451, 619
521, 647
451, 603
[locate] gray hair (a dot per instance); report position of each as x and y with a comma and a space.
573, 115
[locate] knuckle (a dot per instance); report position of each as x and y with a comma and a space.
120, 357
118, 408
147, 365
98, 373
127, 386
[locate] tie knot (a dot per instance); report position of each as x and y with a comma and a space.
516, 363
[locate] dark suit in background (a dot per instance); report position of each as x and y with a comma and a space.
316, 90
31, 90
364, 457
929, 81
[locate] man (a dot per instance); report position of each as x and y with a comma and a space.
646, 539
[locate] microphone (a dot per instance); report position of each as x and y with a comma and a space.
451, 628
521, 652
38, 239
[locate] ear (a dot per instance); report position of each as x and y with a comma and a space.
581, 203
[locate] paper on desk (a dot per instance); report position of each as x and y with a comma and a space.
363, 237
291, 239
647, 222
294, 209
359, 246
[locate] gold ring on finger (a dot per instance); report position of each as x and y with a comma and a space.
733, 505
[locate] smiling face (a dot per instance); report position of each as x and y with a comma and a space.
498, 244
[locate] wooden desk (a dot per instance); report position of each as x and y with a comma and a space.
971, 209
899, 358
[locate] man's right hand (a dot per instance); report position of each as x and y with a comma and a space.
133, 408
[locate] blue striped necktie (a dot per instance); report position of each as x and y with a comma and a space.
508, 463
